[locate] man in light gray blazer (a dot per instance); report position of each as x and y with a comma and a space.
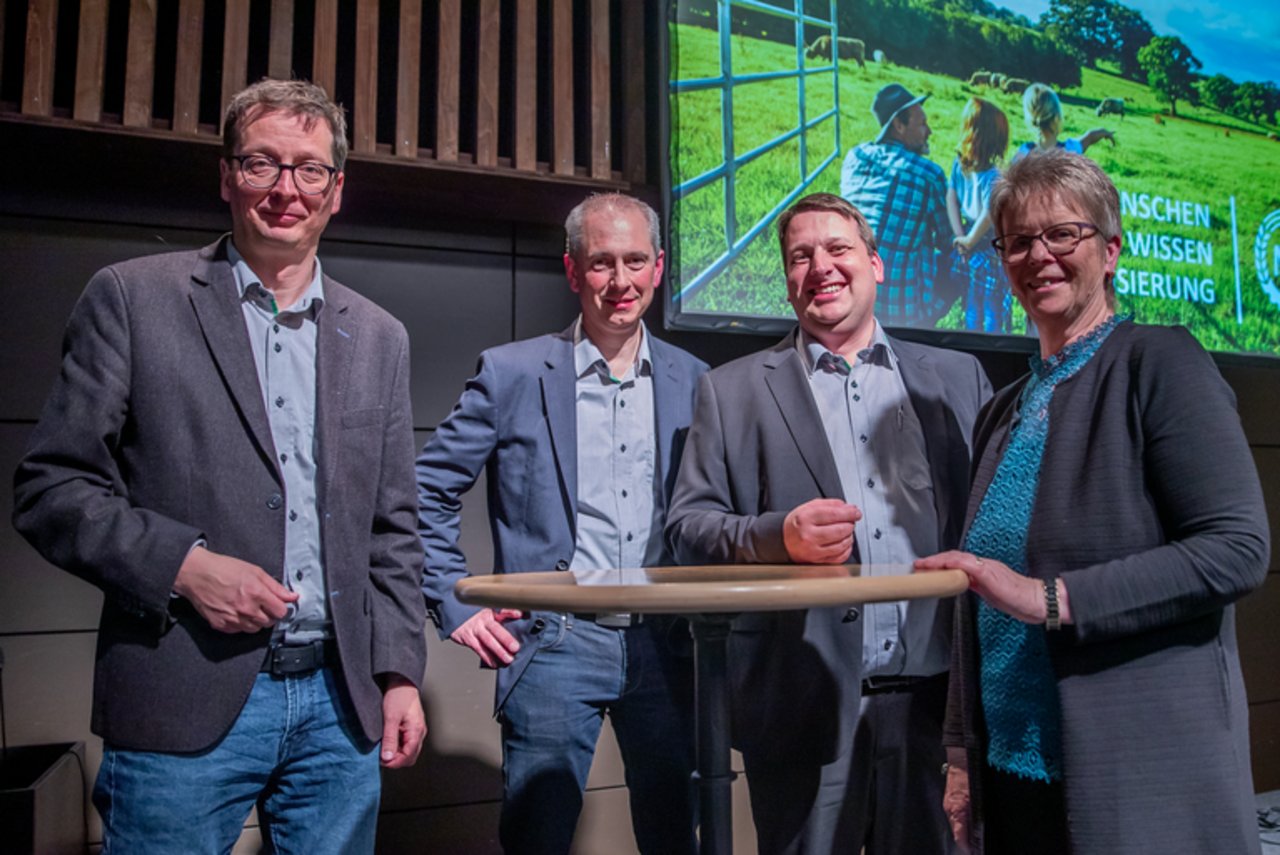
838, 444
228, 454
580, 435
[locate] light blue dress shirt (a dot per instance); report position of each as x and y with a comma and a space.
619, 506
284, 352
880, 453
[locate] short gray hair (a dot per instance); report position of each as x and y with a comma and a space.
1073, 178
603, 202
290, 96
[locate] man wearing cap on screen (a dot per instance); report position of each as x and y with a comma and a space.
903, 195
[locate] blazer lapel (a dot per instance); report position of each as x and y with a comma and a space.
336, 334
559, 407
216, 302
666, 383
924, 388
784, 374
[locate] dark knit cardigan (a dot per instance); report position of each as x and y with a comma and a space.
1150, 510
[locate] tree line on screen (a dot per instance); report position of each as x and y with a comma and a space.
958, 37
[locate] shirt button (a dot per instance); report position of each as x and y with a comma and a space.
275, 501
862, 438
275, 328
853, 383
624, 447
279, 347
284, 458
629, 537
622, 403
280, 401
888, 645
871, 482
878, 534
624, 494
293, 515
857, 397
298, 575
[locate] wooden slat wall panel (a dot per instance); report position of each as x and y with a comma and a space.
562, 87
581, 107
365, 132
631, 27
37, 73
91, 57
449, 57
235, 51
601, 115
408, 78
280, 53
186, 84
487, 85
325, 46
526, 94
140, 64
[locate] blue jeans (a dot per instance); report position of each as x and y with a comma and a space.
294, 750
552, 718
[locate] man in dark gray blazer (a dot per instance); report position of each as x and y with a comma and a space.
838, 444
579, 434
228, 454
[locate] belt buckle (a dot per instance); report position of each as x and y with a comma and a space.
616, 621
288, 659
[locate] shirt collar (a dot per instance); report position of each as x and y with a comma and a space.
253, 291
816, 357
587, 357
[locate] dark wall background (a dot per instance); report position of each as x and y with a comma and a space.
465, 264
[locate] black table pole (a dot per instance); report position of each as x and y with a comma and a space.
714, 775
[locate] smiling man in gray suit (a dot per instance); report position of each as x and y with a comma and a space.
228, 454
580, 434
838, 444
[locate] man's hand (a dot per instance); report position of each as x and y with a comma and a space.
820, 531
485, 634
955, 799
404, 726
232, 595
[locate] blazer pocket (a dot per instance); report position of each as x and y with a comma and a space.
361, 418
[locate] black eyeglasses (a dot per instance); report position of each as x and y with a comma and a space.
1059, 239
263, 171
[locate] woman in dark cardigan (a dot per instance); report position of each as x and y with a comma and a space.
1096, 701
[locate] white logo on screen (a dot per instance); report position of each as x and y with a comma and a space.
1266, 255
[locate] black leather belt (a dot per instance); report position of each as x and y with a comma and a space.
284, 660
612, 621
887, 685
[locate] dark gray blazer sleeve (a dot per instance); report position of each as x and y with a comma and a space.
702, 525
1202, 479
395, 559
70, 499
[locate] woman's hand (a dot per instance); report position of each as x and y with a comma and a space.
955, 799
1002, 588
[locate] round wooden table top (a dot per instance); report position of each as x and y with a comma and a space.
709, 589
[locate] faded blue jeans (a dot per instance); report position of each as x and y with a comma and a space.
294, 751
552, 718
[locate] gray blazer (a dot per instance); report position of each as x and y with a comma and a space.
516, 421
155, 435
757, 450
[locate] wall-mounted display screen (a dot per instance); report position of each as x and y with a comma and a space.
1176, 99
